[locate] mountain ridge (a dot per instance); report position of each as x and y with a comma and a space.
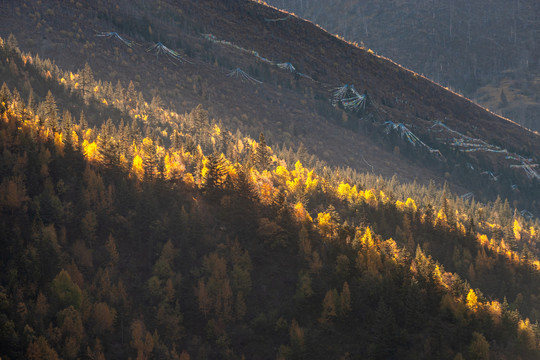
487, 50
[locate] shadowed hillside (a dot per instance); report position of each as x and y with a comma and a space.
488, 50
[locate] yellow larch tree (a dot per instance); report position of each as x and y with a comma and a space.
472, 300
517, 229
137, 167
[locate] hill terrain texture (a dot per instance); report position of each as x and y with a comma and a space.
223, 180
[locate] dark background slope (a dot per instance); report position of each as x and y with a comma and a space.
488, 50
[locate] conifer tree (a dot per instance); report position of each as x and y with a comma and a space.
199, 118
109, 147
242, 184
262, 155
5, 98
175, 140
12, 43
131, 95
51, 111
330, 307
30, 103
119, 95
16, 99
67, 129
296, 335
87, 80
215, 172
151, 160
345, 300
83, 124
155, 109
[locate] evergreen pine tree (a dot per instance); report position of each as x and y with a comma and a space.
51, 111
82, 122
67, 128
175, 140
16, 99
242, 185
86, 78
30, 103
199, 118
131, 95
109, 147
262, 156
13, 44
215, 172
151, 160
119, 95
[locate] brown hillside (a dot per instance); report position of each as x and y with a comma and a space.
288, 110
477, 47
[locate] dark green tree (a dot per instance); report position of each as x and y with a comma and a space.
109, 145
215, 172
262, 155
51, 111
5, 97
67, 128
242, 185
199, 119
86, 77
175, 140
150, 160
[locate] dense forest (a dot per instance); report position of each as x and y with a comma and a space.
129, 230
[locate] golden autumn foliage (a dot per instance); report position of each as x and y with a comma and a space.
91, 150
301, 214
526, 334
409, 205
495, 311
137, 167
472, 300
517, 229
346, 192
365, 239
59, 143
325, 223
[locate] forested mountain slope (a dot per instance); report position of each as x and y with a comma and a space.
291, 107
487, 50
136, 222
193, 242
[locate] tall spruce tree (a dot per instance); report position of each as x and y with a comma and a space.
262, 155
51, 111
215, 173
109, 147
86, 79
